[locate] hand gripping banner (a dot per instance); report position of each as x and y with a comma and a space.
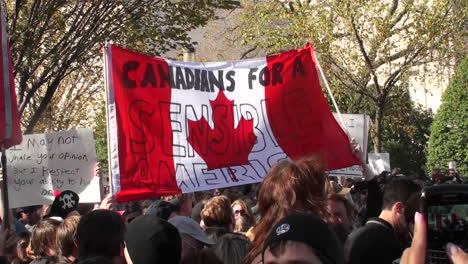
182, 127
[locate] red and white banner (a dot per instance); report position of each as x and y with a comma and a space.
10, 130
183, 127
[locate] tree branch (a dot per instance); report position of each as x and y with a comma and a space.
245, 53
365, 55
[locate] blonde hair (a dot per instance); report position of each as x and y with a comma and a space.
242, 225
43, 237
66, 235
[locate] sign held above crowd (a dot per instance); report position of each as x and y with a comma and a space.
183, 127
357, 127
44, 163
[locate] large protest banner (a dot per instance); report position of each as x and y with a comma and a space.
357, 127
183, 127
44, 163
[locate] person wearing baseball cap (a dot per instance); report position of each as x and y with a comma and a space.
162, 209
302, 238
193, 237
150, 239
64, 205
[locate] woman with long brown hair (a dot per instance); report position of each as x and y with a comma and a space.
240, 208
290, 186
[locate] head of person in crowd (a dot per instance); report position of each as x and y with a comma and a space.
214, 232
150, 239
216, 192
218, 212
100, 233
146, 204
242, 225
29, 215
395, 203
254, 209
162, 209
85, 208
184, 202
302, 238
204, 256
452, 173
341, 215
240, 208
132, 211
289, 186
232, 248
382, 177
65, 204
232, 193
66, 238
437, 176
203, 196
21, 249
193, 237
43, 242
249, 200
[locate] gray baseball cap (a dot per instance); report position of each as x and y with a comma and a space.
187, 226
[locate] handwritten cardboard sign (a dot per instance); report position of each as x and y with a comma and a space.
357, 127
59, 161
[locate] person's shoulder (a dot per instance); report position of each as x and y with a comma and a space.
366, 229
367, 235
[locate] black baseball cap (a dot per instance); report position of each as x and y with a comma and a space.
65, 203
150, 239
162, 209
310, 230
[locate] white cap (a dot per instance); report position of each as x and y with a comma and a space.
452, 165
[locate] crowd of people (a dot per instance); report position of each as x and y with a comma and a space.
298, 214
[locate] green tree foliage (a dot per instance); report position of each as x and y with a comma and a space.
449, 131
406, 133
100, 138
367, 48
53, 39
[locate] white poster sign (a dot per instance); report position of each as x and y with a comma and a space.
44, 163
357, 127
379, 162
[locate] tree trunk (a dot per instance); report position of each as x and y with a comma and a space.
378, 129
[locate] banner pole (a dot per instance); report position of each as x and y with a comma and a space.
331, 95
106, 83
6, 204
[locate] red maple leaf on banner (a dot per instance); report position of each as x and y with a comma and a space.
223, 145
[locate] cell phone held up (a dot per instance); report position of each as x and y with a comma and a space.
445, 208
